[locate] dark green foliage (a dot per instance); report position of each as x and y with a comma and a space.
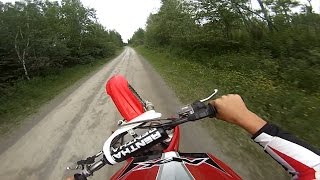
38, 38
270, 56
290, 107
137, 38
202, 29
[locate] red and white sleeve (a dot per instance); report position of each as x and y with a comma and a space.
300, 159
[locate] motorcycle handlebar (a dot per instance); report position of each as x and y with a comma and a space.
90, 169
196, 111
212, 111
157, 135
96, 166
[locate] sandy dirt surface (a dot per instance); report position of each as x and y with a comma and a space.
78, 122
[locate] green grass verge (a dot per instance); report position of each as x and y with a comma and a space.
26, 97
288, 107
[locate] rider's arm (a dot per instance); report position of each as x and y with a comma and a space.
300, 159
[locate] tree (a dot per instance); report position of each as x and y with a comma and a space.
266, 15
40, 37
137, 37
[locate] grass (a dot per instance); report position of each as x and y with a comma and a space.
291, 108
26, 97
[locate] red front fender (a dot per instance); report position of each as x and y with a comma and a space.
129, 105
126, 102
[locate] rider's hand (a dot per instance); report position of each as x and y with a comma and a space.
232, 109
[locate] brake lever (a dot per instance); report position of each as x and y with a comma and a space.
89, 160
209, 97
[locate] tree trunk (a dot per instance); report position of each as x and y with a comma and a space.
25, 69
22, 58
266, 16
309, 8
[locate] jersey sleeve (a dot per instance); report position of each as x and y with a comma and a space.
300, 159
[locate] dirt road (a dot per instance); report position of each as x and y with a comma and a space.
77, 125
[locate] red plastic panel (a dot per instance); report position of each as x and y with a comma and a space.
225, 167
120, 171
174, 143
205, 169
127, 103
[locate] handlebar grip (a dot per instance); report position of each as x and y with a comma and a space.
201, 110
212, 111
96, 166
79, 177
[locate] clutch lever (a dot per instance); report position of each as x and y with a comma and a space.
82, 163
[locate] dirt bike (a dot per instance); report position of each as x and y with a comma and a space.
152, 152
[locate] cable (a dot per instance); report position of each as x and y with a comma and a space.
167, 126
148, 120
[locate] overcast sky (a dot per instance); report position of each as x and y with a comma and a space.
126, 16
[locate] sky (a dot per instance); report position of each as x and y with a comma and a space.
126, 16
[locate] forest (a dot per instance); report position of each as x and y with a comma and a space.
283, 30
269, 53
45, 47
38, 38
